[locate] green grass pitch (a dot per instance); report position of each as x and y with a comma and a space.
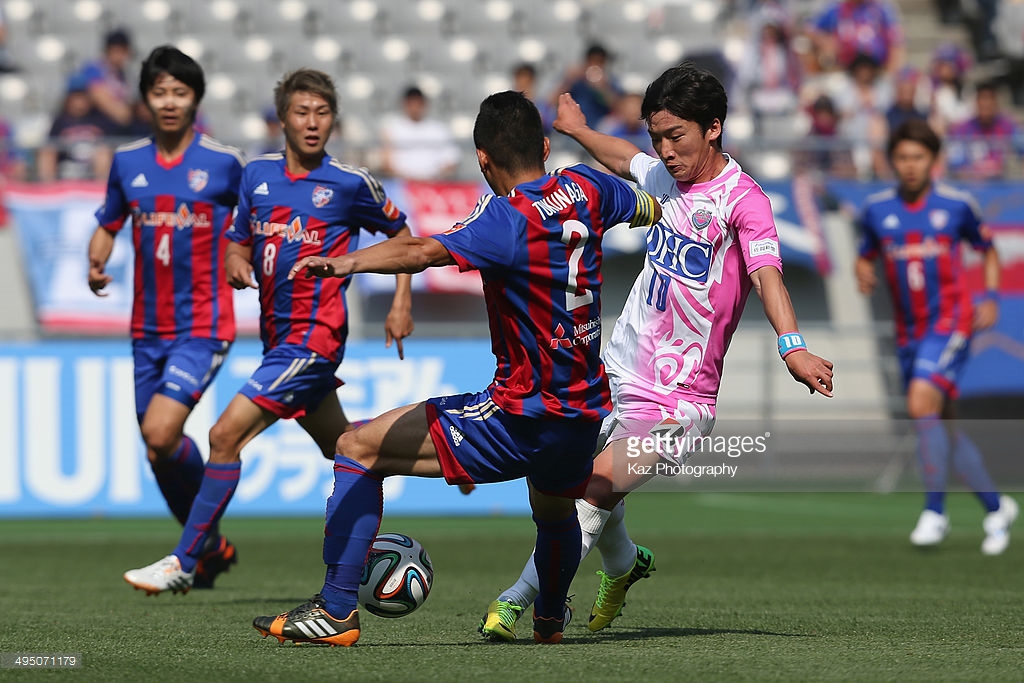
777, 587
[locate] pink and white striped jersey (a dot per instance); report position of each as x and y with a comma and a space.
669, 343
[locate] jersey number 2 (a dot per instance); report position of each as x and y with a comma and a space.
575, 235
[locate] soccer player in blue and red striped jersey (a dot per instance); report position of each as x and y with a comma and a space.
537, 245
179, 188
916, 229
293, 204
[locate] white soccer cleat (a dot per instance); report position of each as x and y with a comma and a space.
931, 529
997, 526
162, 575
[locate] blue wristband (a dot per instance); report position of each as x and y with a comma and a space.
991, 295
790, 342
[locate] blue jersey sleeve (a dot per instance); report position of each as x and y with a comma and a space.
488, 239
620, 201
240, 231
372, 209
869, 245
971, 227
112, 214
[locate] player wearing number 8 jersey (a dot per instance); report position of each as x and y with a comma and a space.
179, 188
293, 204
537, 245
916, 229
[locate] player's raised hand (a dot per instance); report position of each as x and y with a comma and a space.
986, 314
98, 279
318, 266
570, 118
812, 371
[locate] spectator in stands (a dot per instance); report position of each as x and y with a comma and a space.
626, 123
524, 80
826, 151
768, 79
6, 64
591, 84
12, 160
906, 102
862, 102
273, 134
108, 86
984, 146
414, 146
75, 148
846, 28
951, 104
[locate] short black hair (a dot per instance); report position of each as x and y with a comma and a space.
689, 92
118, 36
305, 80
508, 128
168, 59
413, 91
915, 130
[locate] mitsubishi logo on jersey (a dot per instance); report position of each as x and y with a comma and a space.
180, 219
293, 231
559, 338
678, 254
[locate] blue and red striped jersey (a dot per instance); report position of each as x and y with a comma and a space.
920, 249
539, 253
180, 211
285, 218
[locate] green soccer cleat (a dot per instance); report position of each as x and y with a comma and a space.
499, 624
611, 594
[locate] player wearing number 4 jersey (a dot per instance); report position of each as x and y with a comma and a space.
537, 245
179, 188
916, 229
716, 241
292, 205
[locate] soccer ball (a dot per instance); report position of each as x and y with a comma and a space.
397, 576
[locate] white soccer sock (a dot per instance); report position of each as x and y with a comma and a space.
618, 552
526, 588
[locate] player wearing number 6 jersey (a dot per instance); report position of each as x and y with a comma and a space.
297, 203
179, 188
715, 242
537, 245
916, 229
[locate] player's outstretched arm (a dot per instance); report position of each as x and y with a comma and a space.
864, 272
100, 246
986, 313
396, 255
398, 325
611, 152
812, 371
238, 266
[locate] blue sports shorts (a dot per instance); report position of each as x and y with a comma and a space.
291, 381
180, 369
478, 442
937, 358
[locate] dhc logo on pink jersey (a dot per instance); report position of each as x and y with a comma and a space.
668, 250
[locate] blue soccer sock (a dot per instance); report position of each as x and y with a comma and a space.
219, 484
557, 557
970, 467
933, 452
179, 478
353, 518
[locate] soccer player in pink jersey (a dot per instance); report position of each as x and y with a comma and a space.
292, 204
716, 241
179, 188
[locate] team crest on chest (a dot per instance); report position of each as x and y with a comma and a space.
939, 218
197, 179
701, 218
322, 196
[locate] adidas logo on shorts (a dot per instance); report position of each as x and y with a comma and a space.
457, 436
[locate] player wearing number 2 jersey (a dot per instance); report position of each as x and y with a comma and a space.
294, 204
715, 242
179, 188
917, 229
537, 245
